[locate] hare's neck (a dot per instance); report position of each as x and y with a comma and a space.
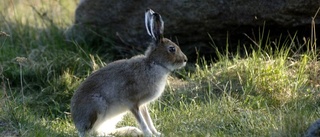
161, 65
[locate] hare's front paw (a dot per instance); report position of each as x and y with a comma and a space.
147, 133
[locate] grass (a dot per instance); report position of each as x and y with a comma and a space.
271, 91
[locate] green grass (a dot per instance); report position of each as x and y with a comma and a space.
272, 91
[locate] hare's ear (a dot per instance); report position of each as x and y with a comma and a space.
154, 25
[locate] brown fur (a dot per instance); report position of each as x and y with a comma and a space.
126, 85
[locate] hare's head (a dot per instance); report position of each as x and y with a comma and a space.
163, 51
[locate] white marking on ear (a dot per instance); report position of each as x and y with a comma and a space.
154, 24
152, 27
161, 25
147, 18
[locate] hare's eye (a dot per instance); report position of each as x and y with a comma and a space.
172, 49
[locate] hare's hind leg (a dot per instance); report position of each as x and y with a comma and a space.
139, 117
147, 118
108, 122
84, 120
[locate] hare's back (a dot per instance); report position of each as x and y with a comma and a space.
116, 75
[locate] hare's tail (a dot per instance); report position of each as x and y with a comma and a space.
313, 130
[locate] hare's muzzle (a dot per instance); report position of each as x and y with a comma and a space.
184, 60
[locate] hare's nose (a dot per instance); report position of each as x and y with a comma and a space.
185, 58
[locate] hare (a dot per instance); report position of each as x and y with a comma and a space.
127, 85
313, 130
